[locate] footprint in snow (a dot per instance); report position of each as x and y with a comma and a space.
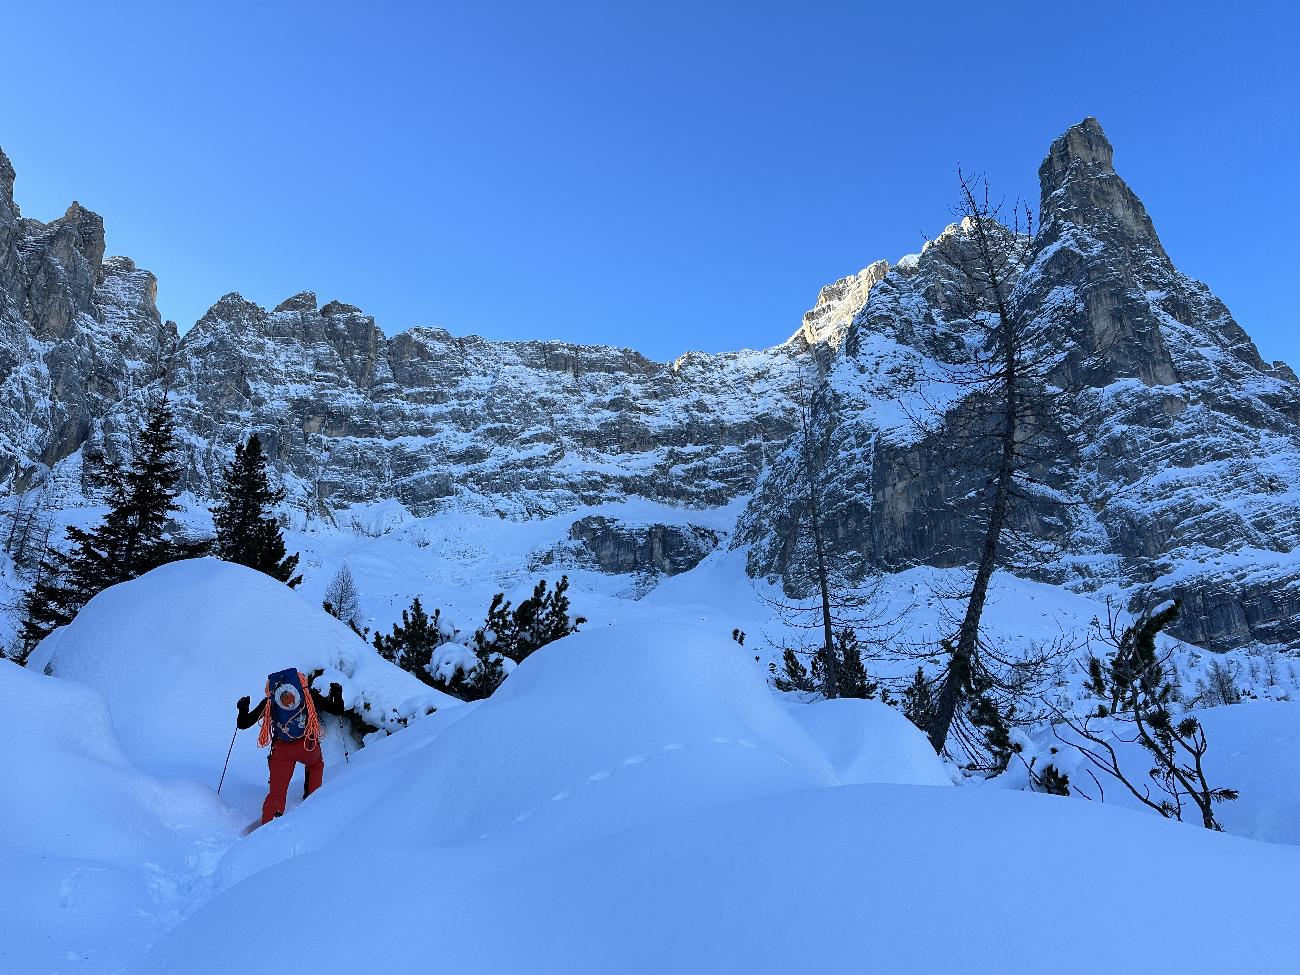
561, 796
599, 776
674, 747
634, 760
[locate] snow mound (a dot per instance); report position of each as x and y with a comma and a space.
867, 741
173, 650
89, 842
593, 734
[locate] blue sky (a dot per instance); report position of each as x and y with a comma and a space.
666, 176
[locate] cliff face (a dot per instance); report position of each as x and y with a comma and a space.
1170, 476
1175, 474
77, 332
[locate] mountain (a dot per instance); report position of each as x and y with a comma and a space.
1175, 474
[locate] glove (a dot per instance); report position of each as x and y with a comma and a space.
242, 704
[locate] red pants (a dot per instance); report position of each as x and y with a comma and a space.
284, 756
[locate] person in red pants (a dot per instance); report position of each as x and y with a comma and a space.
291, 726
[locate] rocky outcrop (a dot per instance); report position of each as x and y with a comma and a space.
655, 549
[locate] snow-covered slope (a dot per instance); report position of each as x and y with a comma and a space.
633, 798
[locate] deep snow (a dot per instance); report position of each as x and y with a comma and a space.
633, 798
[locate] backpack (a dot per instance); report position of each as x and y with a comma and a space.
290, 713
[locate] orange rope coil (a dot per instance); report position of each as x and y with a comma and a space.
313, 722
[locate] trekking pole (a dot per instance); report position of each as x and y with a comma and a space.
227, 765
344, 735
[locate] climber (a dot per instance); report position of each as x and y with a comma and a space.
288, 713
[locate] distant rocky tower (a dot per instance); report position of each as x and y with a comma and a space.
1180, 474
1180, 477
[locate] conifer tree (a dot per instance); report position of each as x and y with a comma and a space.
134, 537
793, 675
48, 604
918, 703
1137, 696
247, 532
851, 675
520, 631
411, 643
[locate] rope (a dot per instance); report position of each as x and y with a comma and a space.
264, 735
313, 721
227, 765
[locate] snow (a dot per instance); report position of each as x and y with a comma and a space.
634, 798
93, 851
175, 649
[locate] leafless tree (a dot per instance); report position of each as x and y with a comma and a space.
840, 603
1000, 378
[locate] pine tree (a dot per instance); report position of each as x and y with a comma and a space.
48, 605
520, 631
134, 536
247, 532
794, 675
412, 642
1137, 695
851, 676
918, 702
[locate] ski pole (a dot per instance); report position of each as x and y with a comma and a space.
227, 765
344, 735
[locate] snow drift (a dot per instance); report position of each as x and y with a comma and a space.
175, 649
93, 851
634, 799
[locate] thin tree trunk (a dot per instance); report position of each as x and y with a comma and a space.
963, 654
830, 667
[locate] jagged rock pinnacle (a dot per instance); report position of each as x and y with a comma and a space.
1079, 185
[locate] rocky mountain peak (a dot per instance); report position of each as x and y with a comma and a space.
837, 303
1079, 186
302, 301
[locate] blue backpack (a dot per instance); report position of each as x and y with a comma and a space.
293, 716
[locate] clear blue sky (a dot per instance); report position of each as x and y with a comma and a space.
667, 176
